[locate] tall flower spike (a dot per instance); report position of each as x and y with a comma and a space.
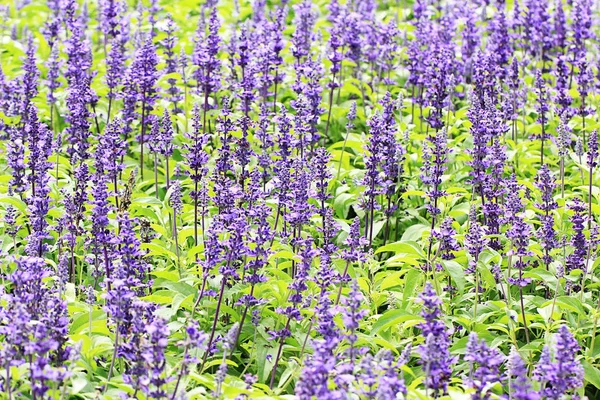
520, 387
520, 234
435, 155
475, 242
576, 260
592, 153
542, 108
445, 235
304, 21
208, 74
52, 82
546, 184
435, 354
29, 80
143, 74
484, 367
564, 374
174, 92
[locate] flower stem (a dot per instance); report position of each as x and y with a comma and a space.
112, 361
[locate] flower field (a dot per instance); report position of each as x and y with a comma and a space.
299, 199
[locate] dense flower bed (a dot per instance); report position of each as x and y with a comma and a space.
267, 200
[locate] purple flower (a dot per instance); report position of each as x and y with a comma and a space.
110, 150
563, 98
304, 20
582, 29
484, 367
435, 156
542, 107
315, 376
196, 156
34, 325
335, 53
10, 221
592, 153
435, 354
560, 26
299, 208
153, 354
16, 160
206, 58
54, 65
585, 81
388, 50
131, 267
520, 234
352, 316
143, 75
115, 65
546, 184
40, 149
53, 26
520, 386
176, 201
174, 92
475, 242
161, 135
110, 17
356, 243
500, 45
513, 203
308, 105
100, 236
562, 373
576, 260
445, 235
29, 80
227, 344
563, 139
78, 117
538, 28
142, 347
265, 141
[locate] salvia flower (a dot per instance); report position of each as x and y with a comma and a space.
435, 354
305, 18
546, 234
445, 235
561, 373
475, 243
520, 387
592, 153
435, 154
484, 367
576, 260
208, 74
520, 234
53, 74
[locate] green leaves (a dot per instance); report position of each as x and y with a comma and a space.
395, 319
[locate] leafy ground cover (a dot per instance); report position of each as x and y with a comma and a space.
325, 200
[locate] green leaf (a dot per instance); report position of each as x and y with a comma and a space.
160, 250
486, 275
592, 374
413, 277
391, 280
542, 275
414, 232
392, 317
406, 247
571, 304
456, 272
178, 287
